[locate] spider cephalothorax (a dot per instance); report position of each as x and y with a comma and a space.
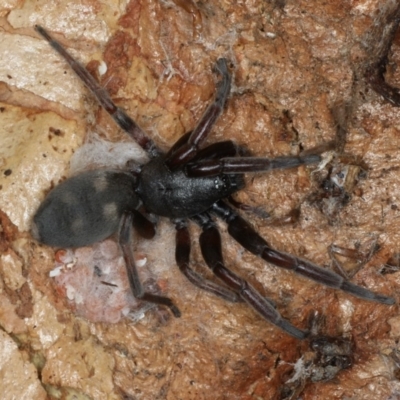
189, 182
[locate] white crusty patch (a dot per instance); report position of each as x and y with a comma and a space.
98, 153
104, 296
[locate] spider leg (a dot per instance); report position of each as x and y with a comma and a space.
182, 254
375, 74
243, 233
375, 77
237, 165
179, 143
290, 218
190, 147
125, 241
142, 225
227, 148
257, 211
210, 244
102, 96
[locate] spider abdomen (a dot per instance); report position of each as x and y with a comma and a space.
175, 195
85, 209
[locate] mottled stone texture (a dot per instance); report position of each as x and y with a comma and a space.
299, 82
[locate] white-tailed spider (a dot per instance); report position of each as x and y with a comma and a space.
188, 183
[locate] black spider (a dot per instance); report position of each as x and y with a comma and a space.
187, 183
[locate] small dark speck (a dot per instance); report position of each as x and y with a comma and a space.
394, 207
109, 284
44, 155
1, 187
97, 270
7, 172
2, 109
57, 132
9, 76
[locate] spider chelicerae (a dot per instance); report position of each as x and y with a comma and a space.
188, 183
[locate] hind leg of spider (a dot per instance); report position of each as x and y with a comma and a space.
182, 255
142, 225
210, 244
125, 242
190, 147
243, 233
102, 96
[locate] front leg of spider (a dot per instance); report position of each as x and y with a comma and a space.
186, 153
190, 145
244, 234
125, 242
